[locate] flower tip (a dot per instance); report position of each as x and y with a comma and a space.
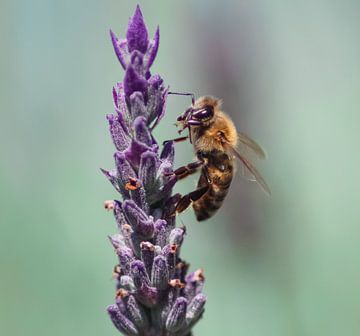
110, 118
137, 35
113, 242
106, 172
138, 12
112, 35
112, 309
156, 40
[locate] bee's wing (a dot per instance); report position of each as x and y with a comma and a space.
249, 167
247, 142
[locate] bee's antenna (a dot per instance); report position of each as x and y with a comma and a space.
185, 94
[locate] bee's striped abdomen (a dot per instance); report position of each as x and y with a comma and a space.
220, 172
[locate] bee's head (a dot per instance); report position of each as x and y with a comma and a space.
200, 114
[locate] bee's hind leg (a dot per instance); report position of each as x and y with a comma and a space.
195, 195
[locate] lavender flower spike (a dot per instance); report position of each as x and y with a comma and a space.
154, 296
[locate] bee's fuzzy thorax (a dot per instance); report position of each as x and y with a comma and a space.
207, 139
208, 100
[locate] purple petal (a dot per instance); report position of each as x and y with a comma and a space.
137, 105
119, 136
127, 282
155, 102
115, 98
195, 308
136, 240
121, 50
139, 196
147, 170
176, 317
133, 82
152, 49
194, 283
118, 214
177, 236
168, 152
148, 296
156, 81
136, 313
124, 172
126, 257
136, 60
162, 109
121, 322
160, 232
139, 221
147, 255
165, 169
120, 105
170, 253
160, 273
117, 241
139, 275
112, 177
133, 153
137, 35
142, 133
121, 305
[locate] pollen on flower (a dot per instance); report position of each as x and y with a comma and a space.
199, 275
126, 228
132, 184
145, 245
109, 205
176, 283
121, 293
173, 248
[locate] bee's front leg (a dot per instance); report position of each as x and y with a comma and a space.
176, 139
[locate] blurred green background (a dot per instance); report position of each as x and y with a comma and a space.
288, 72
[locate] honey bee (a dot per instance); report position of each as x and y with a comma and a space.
217, 144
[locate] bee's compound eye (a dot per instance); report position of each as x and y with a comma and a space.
184, 115
204, 113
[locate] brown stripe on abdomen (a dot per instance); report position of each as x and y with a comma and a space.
207, 205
